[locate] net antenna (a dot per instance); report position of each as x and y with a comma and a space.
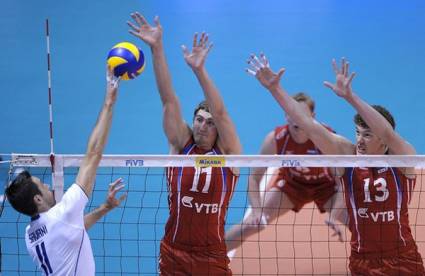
57, 174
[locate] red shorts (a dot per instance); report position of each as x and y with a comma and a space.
303, 193
175, 260
407, 263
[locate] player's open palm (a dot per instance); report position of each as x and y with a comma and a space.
342, 85
260, 68
196, 58
150, 34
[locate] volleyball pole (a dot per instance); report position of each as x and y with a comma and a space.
57, 176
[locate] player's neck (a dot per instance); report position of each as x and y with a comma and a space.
299, 138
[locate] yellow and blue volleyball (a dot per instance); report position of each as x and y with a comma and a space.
126, 60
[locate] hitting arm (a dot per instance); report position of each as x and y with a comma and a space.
98, 137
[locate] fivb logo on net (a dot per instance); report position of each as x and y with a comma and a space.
134, 163
291, 163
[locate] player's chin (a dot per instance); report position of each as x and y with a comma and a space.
361, 152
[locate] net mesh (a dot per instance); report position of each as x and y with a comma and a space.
126, 241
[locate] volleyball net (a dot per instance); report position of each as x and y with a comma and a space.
126, 241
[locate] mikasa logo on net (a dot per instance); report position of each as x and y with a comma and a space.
208, 208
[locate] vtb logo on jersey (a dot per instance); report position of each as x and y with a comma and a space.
376, 216
208, 208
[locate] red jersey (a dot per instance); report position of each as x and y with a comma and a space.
285, 144
377, 200
198, 200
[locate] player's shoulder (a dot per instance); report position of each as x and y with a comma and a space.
328, 127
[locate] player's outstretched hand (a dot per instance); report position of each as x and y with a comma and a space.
200, 49
260, 68
111, 200
150, 34
342, 85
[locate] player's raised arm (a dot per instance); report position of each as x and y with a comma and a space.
176, 130
379, 125
98, 137
111, 202
228, 140
326, 141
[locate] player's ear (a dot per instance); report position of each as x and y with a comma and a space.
38, 199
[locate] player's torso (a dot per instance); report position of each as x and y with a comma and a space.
377, 200
287, 146
198, 200
56, 246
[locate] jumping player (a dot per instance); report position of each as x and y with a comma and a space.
193, 243
290, 188
376, 198
56, 238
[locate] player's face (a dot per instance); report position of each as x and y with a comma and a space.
47, 195
296, 132
204, 130
368, 143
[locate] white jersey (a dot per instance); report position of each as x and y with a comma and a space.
57, 240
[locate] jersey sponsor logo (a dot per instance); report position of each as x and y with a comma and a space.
37, 234
291, 163
382, 170
213, 161
385, 216
281, 134
362, 212
207, 208
134, 163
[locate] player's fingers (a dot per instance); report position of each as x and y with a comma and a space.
185, 50
329, 85
251, 61
343, 66
347, 66
134, 27
335, 67
264, 60
281, 72
209, 47
250, 71
115, 183
156, 20
141, 19
135, 33
351, 78
206, 39
202, 39
257, 62
195, 39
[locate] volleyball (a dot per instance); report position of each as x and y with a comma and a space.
126, 60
